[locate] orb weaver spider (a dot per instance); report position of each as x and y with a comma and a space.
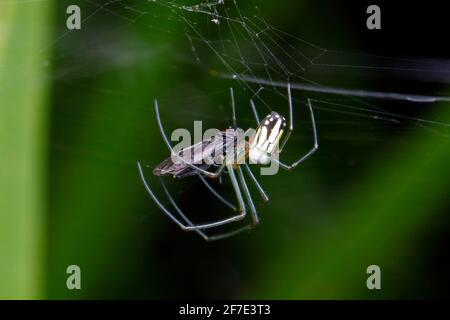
263, 147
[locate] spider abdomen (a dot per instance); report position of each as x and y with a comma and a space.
266, 139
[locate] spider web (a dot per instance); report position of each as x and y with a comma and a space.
227, 39
228, 42
232, 40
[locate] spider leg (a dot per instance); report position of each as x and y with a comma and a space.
180, 212
311, 151
240, 216
218, 196
228, 234
201, 233
252, 104
254, 214
233, 108
256, 183
166, 140
291, 119
255, 112
248, 196
156, 200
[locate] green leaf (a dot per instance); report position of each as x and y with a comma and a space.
24, 37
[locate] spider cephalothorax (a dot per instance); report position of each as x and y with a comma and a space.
267, 138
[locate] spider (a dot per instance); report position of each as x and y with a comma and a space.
263, 146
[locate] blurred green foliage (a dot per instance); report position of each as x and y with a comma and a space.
24, 90
379, 222
70, 192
